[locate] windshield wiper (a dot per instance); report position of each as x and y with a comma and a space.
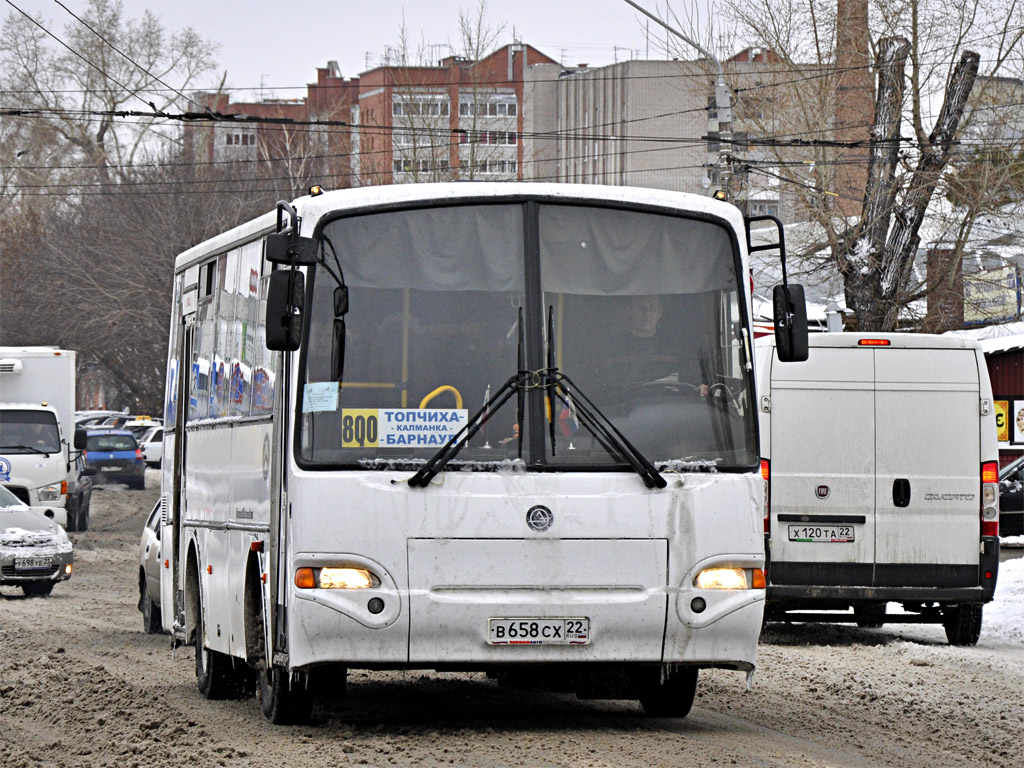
26, 448
448, 451
515, 384
599, 425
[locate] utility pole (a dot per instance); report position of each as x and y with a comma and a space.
723, 104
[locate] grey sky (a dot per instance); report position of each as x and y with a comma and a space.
279, 45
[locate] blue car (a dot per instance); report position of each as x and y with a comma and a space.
116, 457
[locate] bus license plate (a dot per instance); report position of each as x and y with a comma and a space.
830, 534
25, 563
530, 631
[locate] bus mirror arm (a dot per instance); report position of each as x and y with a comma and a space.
788, 302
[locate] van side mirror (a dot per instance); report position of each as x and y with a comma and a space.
286, 298
790, 316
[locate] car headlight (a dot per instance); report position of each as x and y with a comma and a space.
49, 492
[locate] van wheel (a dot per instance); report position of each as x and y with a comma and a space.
962, 623
869, 615
673, 696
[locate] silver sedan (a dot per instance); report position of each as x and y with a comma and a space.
35, 552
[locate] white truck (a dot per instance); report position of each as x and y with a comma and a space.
881, 461
38, 445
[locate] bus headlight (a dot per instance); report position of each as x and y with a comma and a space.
730, 578
342, 577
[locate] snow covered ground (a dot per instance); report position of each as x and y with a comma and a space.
1004, 616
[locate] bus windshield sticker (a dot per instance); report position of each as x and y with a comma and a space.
400, 427
320, 396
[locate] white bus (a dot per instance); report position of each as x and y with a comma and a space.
496, 427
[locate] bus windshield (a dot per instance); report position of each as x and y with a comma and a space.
633, 315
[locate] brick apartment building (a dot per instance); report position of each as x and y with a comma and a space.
393, 124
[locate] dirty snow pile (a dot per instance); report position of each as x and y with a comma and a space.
1004, 616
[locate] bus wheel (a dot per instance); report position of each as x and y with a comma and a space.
670, 696
962, 623
215, 671
283, 699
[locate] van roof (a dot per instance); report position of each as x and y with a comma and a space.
895, 340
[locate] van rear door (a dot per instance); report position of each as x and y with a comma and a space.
928, 456
823, 469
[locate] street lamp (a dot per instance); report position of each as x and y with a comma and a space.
723, 102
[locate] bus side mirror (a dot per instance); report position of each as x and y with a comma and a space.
285, 305
288, 248
790, 315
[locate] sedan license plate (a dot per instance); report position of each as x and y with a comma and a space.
26, 563
110, 469
537, 631
830, 534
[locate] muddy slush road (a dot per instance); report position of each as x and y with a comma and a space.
82, 685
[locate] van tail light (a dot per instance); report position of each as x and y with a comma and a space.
766, 477
990, 498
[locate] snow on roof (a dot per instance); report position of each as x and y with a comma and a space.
995, 338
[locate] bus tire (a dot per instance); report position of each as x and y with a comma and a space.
962, 623
672, 696
215, 672
284, 700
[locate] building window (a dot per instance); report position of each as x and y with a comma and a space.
419, 106
497, 106
240, 139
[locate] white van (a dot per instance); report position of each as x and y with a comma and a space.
881, 461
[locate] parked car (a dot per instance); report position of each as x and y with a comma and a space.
35, 553
149, 573
79, 496
152, 444
139, 425
92, 419
116, 456
1011, 499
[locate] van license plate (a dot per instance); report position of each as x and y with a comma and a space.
25, 563
529, 631
830, 534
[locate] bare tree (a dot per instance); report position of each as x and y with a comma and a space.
103, 62
930, 48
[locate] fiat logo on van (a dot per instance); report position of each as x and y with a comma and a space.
539, 518
821, 491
